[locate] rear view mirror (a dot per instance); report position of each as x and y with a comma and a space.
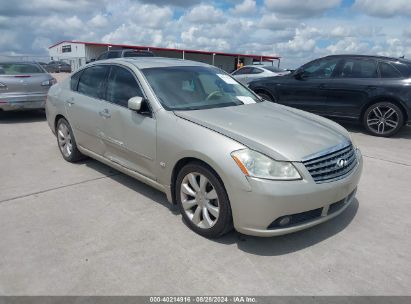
134, 103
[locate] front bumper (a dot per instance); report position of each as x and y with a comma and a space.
22, 102
255, 212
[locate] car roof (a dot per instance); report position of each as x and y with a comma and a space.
371, 56
154, 62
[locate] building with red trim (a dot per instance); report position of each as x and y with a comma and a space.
78, 53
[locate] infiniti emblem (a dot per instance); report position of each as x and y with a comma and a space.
341, 163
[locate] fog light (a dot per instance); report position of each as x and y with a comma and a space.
285, 221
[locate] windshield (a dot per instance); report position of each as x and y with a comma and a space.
19, 68
194, 88
273, 69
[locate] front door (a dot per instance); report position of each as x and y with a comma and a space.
305, 90
129, 137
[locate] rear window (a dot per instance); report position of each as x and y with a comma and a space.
137, 54
273, 69
19, 68
404, 68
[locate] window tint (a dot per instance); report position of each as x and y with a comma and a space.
358, 68
388, 71
74, 81
113, 54
92, 81
122, 86
322, 68
404, 68
20, 68
256, 71
240, 71
273, 69
102, 56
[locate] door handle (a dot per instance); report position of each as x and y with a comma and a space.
105, 113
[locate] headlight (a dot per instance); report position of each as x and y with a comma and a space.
255, 164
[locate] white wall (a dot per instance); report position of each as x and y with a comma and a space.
76, 58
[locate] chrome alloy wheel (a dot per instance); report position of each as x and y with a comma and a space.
383, 119
64, 140
199, 200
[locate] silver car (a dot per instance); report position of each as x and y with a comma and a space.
249, 73
226, 158
23, 86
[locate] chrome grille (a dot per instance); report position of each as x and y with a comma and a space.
330, 166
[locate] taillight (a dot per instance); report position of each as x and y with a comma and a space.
49, 82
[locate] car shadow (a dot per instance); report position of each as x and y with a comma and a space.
130, 182
272, 246
353, 127
28, 116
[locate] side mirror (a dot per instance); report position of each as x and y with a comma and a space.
134, 103
299, 75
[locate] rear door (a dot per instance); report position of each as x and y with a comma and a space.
241, 74
129, 137
350, 88
85, 106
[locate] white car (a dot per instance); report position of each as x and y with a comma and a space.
249, 73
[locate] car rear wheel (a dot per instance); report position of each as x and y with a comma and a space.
66, 141
383, 119
203, 201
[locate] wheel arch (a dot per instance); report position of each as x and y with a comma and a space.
180, 164
265, 91
392, 99
56, 119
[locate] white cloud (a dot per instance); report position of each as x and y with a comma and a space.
98, 21
245, 7
384, 8
307, 8
204, 13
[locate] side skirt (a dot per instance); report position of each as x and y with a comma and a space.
134, 174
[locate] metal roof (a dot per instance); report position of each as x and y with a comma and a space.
154, 48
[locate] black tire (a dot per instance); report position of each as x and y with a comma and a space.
383, 119
266, 96
75, 154
224, 220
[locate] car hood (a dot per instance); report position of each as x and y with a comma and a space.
277, 131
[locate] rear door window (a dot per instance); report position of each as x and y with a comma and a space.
358, 68
122, 86
74, 80
388, 71
92, 81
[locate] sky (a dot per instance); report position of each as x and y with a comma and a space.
296, 30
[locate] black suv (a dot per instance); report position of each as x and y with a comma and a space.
371, 89
124, 53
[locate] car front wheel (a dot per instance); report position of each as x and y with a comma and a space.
383, 119
203, 201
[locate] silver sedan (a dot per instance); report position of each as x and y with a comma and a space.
226, 158
23, 86
253, 72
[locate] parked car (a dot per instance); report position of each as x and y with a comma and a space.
221, 154
252, 72
23, 86
124, 53
58, 66
372, 90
